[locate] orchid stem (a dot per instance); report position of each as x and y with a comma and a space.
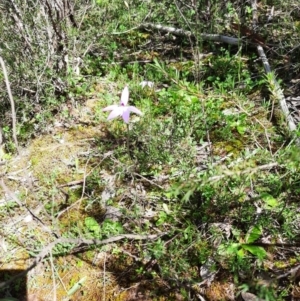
128, 140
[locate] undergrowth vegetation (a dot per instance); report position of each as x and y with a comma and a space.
194, 199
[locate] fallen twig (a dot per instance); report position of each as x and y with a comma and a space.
186, 33
293, 272
72, 183
12, 104
276, 90
77, 242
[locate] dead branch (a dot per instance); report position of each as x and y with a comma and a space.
185, 33
78, 242
292, 272
13, 196
12, 104
277, 91
235, 41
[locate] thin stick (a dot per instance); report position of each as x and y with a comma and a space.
53, 277
12, 104
180, 32
276, 90
104, 276
78, 242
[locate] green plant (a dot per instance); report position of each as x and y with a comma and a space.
241, 249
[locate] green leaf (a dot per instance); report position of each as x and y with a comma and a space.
233, 248
259, 252
253, 234
162, 218
240, 253
241, 129
269, 200
236, 233
92, 225
110, 227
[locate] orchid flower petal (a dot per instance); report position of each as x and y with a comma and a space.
125, 96
134, 110
145, 83
110, 108
125, 115
115, 113
122, 110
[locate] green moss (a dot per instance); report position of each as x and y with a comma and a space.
58, 156
74, 195
234, 147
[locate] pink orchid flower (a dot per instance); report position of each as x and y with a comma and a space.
122, 110
146, 83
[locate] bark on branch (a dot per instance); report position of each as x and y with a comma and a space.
185, 33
